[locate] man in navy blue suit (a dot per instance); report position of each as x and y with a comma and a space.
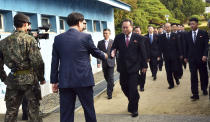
71, 70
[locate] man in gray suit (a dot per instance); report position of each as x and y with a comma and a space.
107, 65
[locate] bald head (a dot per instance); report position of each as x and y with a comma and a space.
168, 27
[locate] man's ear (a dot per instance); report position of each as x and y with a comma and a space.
24, 24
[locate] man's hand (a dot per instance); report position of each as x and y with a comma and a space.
144, 70
42, 82
35, 35
98, 65
185, 60
106, 56
158, 58
55, 88
204, 58
113, 53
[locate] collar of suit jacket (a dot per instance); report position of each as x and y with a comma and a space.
129, 35
73, 29
195, 31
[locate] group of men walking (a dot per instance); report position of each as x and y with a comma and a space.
171, 44
71, 72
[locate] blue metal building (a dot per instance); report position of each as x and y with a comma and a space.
99, 14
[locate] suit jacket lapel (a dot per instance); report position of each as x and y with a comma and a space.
109, 45
154, 38
191, 37
131, 40
148, 39
123, 39
197, 36
171, 36
104, 45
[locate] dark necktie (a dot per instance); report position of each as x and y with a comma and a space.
194, 38
127, 40
168, 36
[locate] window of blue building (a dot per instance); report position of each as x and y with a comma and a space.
62, 24
1, 22
49, 20
89, 25
103, 25
6, 21
96, 25
45, 21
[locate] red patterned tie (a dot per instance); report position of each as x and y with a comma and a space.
127, 40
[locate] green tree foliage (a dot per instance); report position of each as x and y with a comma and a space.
144, 13
207, 16
184, 9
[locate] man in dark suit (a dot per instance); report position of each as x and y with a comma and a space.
71, 70
107, 65
169, 46
142, 75
175, 29
160, 62
196, 54
154, 51
132, 56
182, 34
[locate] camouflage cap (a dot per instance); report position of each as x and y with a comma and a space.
21, 18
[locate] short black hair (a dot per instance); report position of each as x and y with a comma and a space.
127, 20
194, 19
173, 24
74, 18
107, 29
137, 27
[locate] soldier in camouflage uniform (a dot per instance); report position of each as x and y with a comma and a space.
20, 53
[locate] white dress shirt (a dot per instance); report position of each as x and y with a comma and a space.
106, 43
168, 34
129, 35
193, 34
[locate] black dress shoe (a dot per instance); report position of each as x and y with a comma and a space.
109, 97
194, 97
155, 77
177, 82
141, 89
134, 114
205, 92
170, 87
